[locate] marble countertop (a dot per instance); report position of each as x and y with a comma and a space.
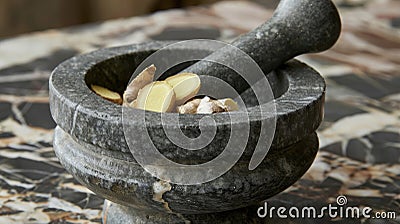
359, 153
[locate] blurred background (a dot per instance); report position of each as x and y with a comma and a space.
21, 16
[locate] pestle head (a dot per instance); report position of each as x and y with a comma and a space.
296, 27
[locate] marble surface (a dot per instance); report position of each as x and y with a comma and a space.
359, 139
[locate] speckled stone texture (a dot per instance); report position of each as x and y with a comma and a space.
117, 177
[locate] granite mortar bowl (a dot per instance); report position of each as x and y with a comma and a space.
90, 143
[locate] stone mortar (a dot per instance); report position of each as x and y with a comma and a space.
90, 143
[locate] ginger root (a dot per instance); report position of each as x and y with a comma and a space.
186, 86
189, 107
158, 96
144, 78
208, 106
107, 94
165, 96
228, 104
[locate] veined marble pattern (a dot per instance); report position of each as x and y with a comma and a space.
359, 138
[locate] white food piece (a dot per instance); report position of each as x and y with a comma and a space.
189, 107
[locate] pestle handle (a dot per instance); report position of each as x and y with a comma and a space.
296, 27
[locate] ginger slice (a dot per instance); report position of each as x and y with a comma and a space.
158, 96
229, 104
107, 94
144, 78
186, 86
209, 106
189, 107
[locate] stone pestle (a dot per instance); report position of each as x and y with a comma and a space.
296, 27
